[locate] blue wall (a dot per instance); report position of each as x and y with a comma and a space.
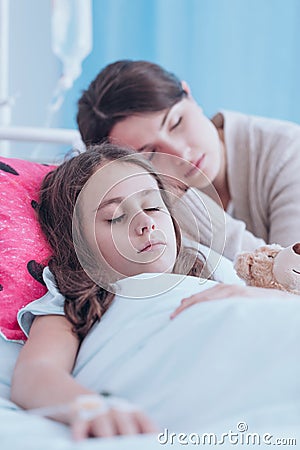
235, 54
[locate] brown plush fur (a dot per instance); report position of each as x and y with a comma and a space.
256, 268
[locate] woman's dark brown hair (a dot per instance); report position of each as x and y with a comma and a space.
85, 300
122, 89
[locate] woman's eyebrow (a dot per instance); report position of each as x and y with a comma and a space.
142, 149
165, 117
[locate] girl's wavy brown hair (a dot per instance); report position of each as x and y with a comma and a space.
85, 300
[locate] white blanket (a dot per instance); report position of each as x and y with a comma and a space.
219, 361
216, 366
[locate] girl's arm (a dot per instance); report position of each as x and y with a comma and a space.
42, 378
42, 375
223, 291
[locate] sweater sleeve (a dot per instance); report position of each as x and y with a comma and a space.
216, 228
51, 303
284, 196
263, 163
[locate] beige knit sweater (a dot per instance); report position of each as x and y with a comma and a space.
263, 164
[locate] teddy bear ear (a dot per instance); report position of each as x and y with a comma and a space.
270, 250
296, 248
242, 265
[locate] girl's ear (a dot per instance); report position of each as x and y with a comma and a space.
186, 87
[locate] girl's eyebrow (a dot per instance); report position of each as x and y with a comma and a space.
119, 200
110, 201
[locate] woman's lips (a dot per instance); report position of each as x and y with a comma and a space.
197, 165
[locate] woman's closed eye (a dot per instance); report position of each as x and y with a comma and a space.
175, 125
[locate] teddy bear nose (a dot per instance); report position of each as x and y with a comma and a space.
296, 248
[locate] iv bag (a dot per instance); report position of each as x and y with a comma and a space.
71, 41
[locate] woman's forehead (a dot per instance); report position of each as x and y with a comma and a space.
138, 130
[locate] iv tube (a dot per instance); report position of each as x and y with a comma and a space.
71, 42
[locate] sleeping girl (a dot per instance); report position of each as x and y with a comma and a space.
116, 247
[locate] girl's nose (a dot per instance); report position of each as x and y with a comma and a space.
144, 224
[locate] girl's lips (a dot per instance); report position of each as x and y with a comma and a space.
151, 246
197, 165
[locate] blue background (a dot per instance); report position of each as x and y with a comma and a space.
235, 54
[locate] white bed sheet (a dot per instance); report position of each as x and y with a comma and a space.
19, 431
217, 364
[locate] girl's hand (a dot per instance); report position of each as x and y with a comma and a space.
222, 291
113, 423
115, 417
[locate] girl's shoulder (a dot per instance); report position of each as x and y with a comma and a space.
52, 303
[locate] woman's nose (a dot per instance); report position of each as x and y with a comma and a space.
143, 224
177, 148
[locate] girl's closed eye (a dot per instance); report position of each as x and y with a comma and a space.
116, 219
153, 208
119, 219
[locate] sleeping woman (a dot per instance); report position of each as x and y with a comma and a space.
243, 167
116, 245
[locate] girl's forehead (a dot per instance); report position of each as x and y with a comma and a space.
120, 171
128, 178
117, 178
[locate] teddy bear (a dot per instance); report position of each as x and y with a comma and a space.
271, 266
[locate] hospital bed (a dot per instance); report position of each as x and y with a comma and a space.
225, 371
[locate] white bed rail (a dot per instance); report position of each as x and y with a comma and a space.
5, 101
53, 135
41, 137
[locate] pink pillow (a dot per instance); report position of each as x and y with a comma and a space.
24, 250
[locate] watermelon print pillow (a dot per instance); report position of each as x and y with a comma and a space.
24, 250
